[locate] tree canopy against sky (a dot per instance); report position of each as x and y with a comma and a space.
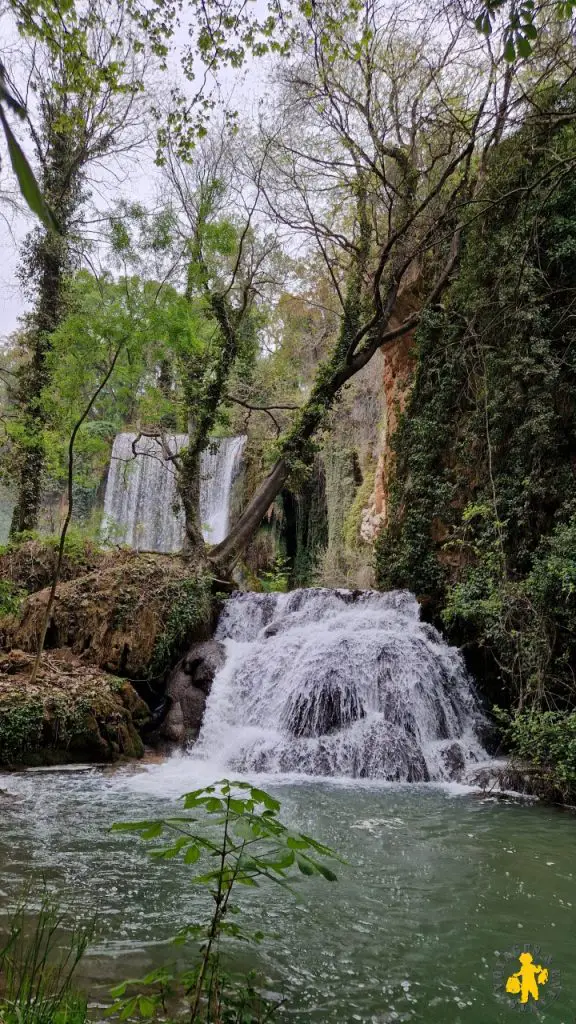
367, 159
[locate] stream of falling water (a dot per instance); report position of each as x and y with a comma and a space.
141, 506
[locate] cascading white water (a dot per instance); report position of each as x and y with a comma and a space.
340, 683
141, 506
220, 464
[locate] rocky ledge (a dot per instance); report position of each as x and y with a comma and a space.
73, 712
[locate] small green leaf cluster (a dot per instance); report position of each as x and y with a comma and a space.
11, 598
277, 578
235, 826
520, 27
21, 729
190, 603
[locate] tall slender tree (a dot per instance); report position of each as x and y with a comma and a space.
82, 94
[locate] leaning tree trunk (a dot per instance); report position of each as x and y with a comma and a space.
202, 416
355, 348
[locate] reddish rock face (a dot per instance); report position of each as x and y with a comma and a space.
397, 381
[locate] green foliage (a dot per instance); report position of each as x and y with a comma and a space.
482, 514
21, 729
52, 725
11, 597
37, 970
235, 828
25, 177
521, 27
190, 604
546, 741
277, 578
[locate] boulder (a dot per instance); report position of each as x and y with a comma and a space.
203, 660
454, 761
132, 618
187, 690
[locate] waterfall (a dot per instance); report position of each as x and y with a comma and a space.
220, 464
341, 683
141, 505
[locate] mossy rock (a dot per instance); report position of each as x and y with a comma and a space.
132, 619
72, 712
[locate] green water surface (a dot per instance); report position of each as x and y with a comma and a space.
439, 886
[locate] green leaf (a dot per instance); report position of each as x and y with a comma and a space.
297, 843
27, 182
483, 24
129, 1008
154, 831
244, 830
213, 805
192, 855
146, 1006
238, 806
7, 98
510, 51
131, 826
326, 872
264, 798
523, 46
305, 866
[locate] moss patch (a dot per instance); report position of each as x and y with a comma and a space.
29, 565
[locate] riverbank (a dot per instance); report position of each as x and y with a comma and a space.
119, 623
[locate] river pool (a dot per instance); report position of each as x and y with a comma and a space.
439, 884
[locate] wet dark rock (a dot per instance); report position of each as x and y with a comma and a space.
454, 761
327, 708
203, 661
187, 690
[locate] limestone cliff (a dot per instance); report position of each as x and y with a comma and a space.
396, 382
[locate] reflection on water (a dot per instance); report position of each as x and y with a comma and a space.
438, 884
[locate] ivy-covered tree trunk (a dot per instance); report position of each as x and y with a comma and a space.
44, 269
86, 83
204, 395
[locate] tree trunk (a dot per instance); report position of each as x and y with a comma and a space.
202, 415
47, 259
44, 270
296, 449
227, 552
189, 490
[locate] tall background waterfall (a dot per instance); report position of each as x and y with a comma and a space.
141, 506
341, 683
